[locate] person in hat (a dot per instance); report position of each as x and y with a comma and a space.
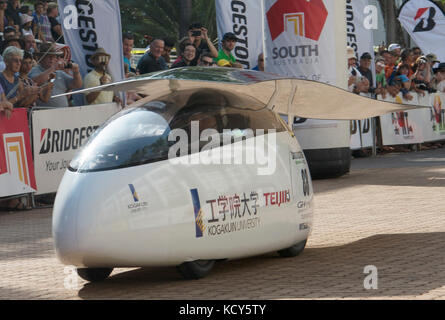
97, 77
439, 77
228, 44
26, 24
396, 48
50, 70
356, 82
365, 70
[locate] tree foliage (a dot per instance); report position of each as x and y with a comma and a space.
160, 18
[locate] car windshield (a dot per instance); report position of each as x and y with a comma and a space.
141, 135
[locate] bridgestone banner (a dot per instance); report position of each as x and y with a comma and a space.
58, 134
16, 166
243, 18
425, 23
88, 25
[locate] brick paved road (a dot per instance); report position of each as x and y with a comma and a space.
389, 212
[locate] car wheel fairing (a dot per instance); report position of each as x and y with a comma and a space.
293, 251
94, 274
196, 269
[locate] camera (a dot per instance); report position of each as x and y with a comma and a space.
69, 65
196, 33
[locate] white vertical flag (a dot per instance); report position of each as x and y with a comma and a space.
425, 23
90, 24
243, 18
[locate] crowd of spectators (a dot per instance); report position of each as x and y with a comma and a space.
397, 70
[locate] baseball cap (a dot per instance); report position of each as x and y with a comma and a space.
440, 67
366, 55
394, 46
224, 63
229, 36
350, 53
432, 57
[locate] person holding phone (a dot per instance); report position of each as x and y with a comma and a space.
198, 35
50, 68
98, 77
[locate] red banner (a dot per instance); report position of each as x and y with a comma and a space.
16, 164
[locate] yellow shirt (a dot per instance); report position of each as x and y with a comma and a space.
91, 80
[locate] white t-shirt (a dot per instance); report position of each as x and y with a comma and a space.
441, 86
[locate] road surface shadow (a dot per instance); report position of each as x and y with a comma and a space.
407, 265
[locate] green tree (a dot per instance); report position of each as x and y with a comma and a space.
161, 18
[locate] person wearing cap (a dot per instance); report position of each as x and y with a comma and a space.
50, 70
98, 77
152, 60
198, 35
439, 77
396, 48
228, 44
365, 70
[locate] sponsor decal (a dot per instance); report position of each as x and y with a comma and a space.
137, 205
277, 198
402, 126
425, 19
15, 157
303, 18
199, 224
53, 141
438, 115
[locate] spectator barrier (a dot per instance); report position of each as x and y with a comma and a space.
57, 133
16, 165
415, 126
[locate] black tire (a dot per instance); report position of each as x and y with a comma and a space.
94, 274
293, 251
196, 269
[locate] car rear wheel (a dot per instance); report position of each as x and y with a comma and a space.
293, 251
196, 269
94, 274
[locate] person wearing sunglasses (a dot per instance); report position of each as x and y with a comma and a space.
98, 77
206, 60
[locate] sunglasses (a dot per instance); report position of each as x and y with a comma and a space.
207, 63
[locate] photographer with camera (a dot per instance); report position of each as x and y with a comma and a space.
198, 36
50, 70
99, 76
